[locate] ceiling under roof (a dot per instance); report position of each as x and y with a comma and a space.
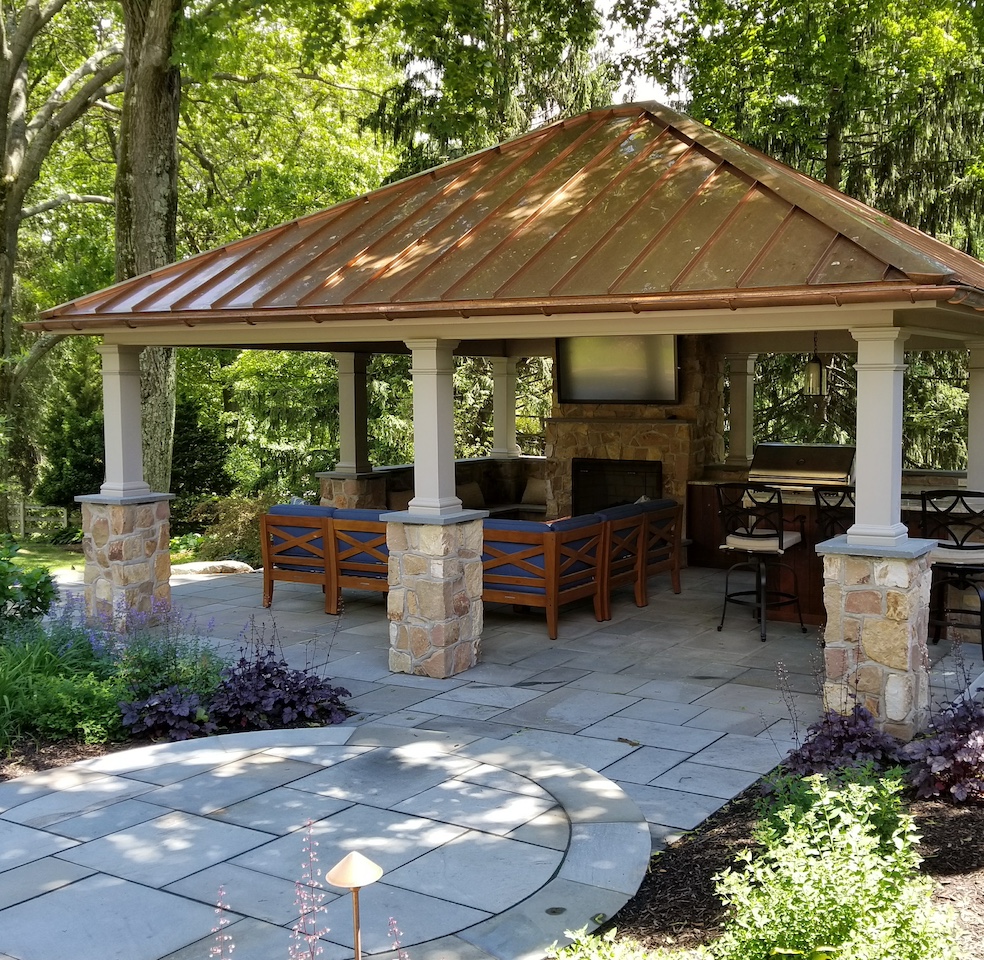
629, 208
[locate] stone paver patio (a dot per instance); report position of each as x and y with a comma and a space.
506, 805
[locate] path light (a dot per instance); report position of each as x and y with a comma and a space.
354, 871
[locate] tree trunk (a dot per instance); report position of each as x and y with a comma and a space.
147, 201
834, 143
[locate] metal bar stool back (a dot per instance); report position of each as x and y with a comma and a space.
752, 521
955, 519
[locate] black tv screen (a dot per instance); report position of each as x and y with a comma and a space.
631, 369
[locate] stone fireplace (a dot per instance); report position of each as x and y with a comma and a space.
683, 437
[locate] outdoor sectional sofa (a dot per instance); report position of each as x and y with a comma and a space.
525, 563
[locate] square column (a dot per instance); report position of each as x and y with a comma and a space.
878, 467
433, 429
975, 417
504, 407
875, 638
121, 422
353, 414
741, 416
435, 596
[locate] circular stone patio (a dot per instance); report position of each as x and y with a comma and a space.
489, 850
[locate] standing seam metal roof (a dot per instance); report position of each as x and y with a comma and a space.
635, 207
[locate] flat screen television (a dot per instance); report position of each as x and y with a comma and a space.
630, 369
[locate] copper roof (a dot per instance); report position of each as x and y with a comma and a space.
635, 207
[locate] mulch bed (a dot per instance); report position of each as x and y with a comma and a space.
676, 905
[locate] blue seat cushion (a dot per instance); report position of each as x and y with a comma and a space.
355, 514
300, 510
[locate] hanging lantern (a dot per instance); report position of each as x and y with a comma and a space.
815, 378
815, 375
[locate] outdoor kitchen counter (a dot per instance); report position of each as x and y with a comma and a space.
705, 535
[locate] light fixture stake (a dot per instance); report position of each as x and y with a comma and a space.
354, 871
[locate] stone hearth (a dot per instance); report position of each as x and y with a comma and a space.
685, 436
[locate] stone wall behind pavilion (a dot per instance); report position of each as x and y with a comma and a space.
685, 436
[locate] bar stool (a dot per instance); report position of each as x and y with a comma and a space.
752, 519
835, 511
954, 518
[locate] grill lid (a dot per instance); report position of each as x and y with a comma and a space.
802, 464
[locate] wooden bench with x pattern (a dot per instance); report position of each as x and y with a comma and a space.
542, 566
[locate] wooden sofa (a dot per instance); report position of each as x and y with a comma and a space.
525, 563
295, 543
641, 540
544, 565
326, 546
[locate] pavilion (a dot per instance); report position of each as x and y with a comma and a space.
627, 220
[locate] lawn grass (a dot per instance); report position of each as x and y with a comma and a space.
55, 558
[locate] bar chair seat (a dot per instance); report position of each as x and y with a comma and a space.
955, 519
752, 520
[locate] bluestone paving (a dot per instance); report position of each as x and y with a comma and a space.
443, 782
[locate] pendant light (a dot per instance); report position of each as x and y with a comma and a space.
815, 375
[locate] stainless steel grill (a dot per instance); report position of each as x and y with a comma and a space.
802, 465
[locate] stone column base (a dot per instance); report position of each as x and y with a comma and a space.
875, 639
353, 492
435, 597
127, 557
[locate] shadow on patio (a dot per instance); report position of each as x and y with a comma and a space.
681, 716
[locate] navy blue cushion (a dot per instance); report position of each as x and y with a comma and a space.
622, 511
516, 526
349, 514
300, 510
575, 523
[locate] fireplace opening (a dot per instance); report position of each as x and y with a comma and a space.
598, 483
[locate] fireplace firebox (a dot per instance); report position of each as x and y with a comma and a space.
598, 483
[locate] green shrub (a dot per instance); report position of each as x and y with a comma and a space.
84, 707
837, 870
234, 533
32, 662
147, 663
587, 946
24, 594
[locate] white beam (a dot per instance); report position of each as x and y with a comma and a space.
878, 465
741, 416
975, 417
353, 414
504, 407
433, 428
121, 422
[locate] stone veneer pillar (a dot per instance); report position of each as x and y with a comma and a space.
127, 558
435, 596
353, 492
875, 639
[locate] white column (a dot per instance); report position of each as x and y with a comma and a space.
741, 416
504, 407
433, 428
121, 422
353, 414
975, 417
878, 466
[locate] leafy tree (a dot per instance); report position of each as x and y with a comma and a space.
477, 72
72, 432
847, 92
57, 60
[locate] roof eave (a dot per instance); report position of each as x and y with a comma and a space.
837, 296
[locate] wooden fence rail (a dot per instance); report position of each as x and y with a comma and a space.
29, 518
